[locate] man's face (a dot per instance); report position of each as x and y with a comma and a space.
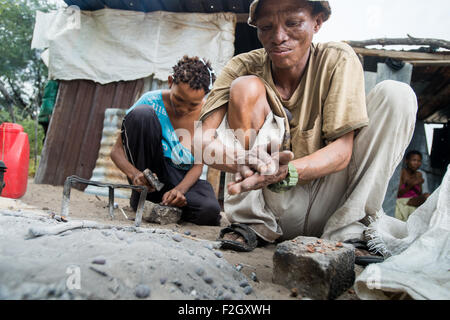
286, 29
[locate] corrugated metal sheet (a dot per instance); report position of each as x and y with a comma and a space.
105, 169
75, 131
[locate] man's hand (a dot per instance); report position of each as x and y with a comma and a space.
257, 160
259, 180
174, 198
139, 179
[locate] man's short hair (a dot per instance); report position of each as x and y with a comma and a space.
317, 7
195, 71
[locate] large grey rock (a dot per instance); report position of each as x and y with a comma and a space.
156, 213
47, 266
317, 268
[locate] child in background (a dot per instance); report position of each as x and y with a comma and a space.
410, 195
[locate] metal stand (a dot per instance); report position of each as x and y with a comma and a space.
75, 179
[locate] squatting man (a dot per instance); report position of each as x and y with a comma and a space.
335, 149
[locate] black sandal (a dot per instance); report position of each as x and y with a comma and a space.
364, 260
251, 240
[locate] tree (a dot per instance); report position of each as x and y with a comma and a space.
22, 73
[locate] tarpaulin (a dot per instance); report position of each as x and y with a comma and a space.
111, 45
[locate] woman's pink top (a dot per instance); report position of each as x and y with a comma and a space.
413, 192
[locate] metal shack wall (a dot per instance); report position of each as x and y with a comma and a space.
75, 131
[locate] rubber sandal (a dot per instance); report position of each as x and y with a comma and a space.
251, 240
366, 260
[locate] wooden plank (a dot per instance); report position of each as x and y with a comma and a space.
434, 63
213, 177
402, 55
431, 103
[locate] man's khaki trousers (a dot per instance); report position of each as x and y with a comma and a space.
340, 205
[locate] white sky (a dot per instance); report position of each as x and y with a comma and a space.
367, 19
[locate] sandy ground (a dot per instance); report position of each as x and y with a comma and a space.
91, 207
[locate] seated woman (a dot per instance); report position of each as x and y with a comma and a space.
410, 194
152, 137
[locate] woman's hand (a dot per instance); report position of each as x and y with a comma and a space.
139, 179
174, 198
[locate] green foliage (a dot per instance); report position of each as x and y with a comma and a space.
29, 127
21, 70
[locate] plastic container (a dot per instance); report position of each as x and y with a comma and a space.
15, 153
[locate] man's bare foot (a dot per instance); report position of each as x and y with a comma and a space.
232, 236
362, 253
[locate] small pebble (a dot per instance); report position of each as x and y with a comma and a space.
254, 277
218, 254
220, 292
193, 293
200, 272
177, 238
208, 280
163, 280
190, 252
99, 261
243, 283
142, 291
232, 290
177, 283
225, 286
209, 246
187, 232
227, 296
248, 290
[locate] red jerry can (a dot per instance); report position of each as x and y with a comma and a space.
15, 153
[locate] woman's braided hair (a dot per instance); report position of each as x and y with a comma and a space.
197, 72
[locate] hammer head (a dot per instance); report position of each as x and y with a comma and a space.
154, 181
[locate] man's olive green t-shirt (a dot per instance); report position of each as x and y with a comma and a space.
328, 103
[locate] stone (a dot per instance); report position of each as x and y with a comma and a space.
99, 261
160, 214
218, 254
187, 232
177, 238
208, 279
254, 277
200, 272
162, 280
142, 291
177, 283
317, 268
248, 290
243, 283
